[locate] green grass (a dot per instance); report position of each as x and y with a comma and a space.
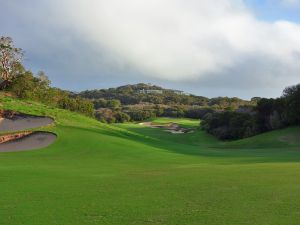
128, 174
189, 123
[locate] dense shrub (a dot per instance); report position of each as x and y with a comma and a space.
140, 115
107, 115
198, 113
292, 98
27, 86
229, 125
269, 114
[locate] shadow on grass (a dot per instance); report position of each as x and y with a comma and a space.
197, 144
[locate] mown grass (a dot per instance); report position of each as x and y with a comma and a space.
188, 123
128, 174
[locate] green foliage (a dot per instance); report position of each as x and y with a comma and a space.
269, 114
229, 104
292, 96
109, 116
229, 125
174, 112
133, 94
26, 86
122, 117
10, 59
144, 101
198, 113
141, 115
105, 115
103, 103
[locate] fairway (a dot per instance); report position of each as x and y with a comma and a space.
128, 174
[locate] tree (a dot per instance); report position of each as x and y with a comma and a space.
10, 60
114, 104
105, 115
292, 96
43, 79
23, 85
122, 117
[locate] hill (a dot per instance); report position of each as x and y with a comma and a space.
131, 174
144, 101
153, 94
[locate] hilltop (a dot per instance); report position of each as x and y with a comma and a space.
138, 102
148, 93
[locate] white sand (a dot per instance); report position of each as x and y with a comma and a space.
19, 123
33, 141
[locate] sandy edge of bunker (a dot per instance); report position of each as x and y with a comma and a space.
34, 141
12, 121
173, 128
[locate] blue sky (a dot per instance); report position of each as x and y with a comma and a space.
272, 10
208, 47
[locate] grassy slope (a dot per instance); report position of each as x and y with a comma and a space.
129, 174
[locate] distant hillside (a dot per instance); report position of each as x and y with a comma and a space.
153, 94
143, 101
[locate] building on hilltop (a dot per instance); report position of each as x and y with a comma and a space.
178, 92
143, 91
158, 91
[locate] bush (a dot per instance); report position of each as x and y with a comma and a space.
109, 116
26, 86
229, 125
269, 114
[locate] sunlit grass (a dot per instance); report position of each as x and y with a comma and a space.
130, 174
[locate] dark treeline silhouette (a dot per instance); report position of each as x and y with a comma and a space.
269, 114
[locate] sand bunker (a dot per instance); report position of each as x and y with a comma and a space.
11, 122
171, 127
32, 141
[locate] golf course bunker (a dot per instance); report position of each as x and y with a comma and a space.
23, 139
35, 140
12, 121
173, 128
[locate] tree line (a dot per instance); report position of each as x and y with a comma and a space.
131, 103
132, 95
267, 115
111, 114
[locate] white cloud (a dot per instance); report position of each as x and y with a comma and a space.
201, 42
181, 39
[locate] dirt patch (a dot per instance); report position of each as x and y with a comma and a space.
173, 128
35, 140
10, 137
11, 121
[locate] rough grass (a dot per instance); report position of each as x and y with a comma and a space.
131, 175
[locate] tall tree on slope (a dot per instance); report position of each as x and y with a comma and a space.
10, 61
